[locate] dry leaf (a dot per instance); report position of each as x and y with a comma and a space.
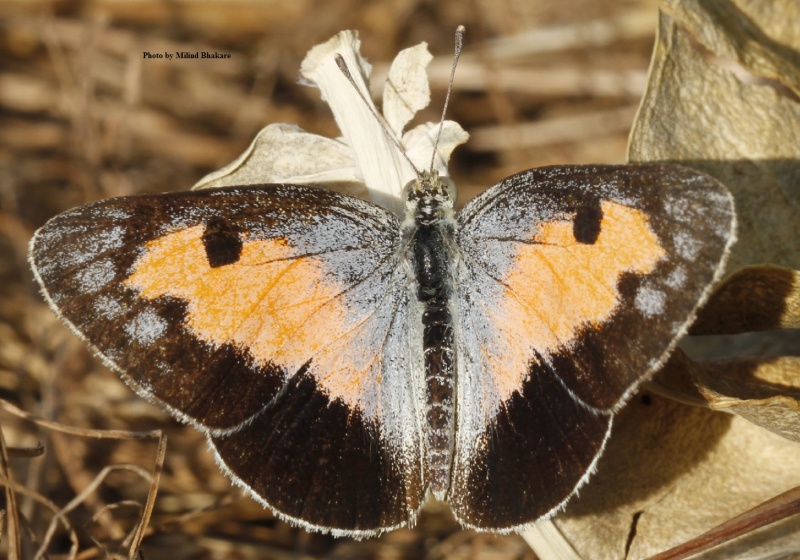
761, 36
673, 471
406, 91
744, 134
764, 391
272, 157
755, 298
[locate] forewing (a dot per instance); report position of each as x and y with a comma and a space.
276, 320
573, 286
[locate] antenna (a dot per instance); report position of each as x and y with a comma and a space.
460, 30
346, 71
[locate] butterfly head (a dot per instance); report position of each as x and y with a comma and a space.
429, 198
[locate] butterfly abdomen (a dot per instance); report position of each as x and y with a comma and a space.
431, 261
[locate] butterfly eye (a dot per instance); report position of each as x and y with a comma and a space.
450, 191
410, 190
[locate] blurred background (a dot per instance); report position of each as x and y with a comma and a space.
85, 116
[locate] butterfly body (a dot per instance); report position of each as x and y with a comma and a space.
430, 226
345, 363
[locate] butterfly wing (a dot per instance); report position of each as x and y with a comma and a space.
574, 284
276, 320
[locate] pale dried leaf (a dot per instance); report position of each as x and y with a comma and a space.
744, 134
764, 37
419, 142
754, 298
676, 380
280, 154
764, 391
406, 90
548, 542
670, 473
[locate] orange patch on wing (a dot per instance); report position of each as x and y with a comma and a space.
558, 285
277, 306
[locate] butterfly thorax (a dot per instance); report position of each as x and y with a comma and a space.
429, 228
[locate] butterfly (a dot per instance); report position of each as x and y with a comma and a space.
346, 364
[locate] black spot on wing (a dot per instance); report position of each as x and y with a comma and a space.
222, 243
586, 225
